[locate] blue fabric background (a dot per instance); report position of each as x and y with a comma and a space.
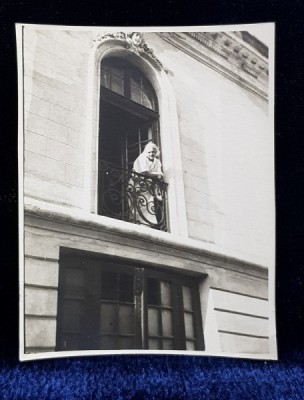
153, 377
147, 377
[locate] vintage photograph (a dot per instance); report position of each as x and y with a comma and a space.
147, 199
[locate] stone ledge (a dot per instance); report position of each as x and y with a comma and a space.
84, 220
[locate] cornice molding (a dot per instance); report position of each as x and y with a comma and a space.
133, 41
227, 54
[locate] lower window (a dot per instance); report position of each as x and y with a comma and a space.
107, 305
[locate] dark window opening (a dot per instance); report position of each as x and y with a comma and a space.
129, 120
103, 305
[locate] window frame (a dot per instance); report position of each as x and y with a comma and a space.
93, 267
127, 69
161, 82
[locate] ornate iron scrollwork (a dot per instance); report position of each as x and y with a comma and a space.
132, 197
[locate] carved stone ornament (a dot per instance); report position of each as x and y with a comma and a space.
132, 41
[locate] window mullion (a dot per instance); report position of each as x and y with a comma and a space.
91, 328
198, 322
179, 316
127, 83
139, 311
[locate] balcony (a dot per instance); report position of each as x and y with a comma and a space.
132, 197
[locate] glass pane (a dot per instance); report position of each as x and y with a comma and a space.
107, 343
136, 93
153, 291
105, 79
74, 277
126, 319
187, 298
147, 100
126, 291
108, 318
116, 70
108, 286
72, 315
74, 281
190, 345
168, 344
167, 322
126, 342
189, 325
153, 323
136, 77
165, 293
117, 85
154, 344
72, 342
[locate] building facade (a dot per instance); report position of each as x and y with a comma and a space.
108, 263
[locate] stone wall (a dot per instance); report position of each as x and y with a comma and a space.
234, 295
55, 89
227, 149
225, 135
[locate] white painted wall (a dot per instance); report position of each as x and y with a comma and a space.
224, 131
228, 157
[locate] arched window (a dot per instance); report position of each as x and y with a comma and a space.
129, 119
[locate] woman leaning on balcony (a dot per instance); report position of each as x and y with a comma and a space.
147, 192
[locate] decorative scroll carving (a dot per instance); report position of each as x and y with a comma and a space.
133, 41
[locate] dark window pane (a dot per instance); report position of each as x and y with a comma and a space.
190, 345
189, 325
126, 342
165, 293
136, 77
108, 318
136, 93
153, 322
126, 288
116, 70
187, 298
107, 343
147, 100
168, 344
72, 342
153, 291
126, 319
117, 85
154, 344
74, 277
74, 282
72, 315
76, 292
105, 79
108, 286
167, 322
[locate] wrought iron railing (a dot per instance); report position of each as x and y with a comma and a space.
132, 197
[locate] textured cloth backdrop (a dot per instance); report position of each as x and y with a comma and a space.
165, 377
153, 377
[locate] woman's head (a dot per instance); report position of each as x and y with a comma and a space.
151, 151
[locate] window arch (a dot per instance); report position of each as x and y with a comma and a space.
129, 116
129, 120
122, 77
117, 44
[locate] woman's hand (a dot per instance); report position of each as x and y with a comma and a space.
156, 175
